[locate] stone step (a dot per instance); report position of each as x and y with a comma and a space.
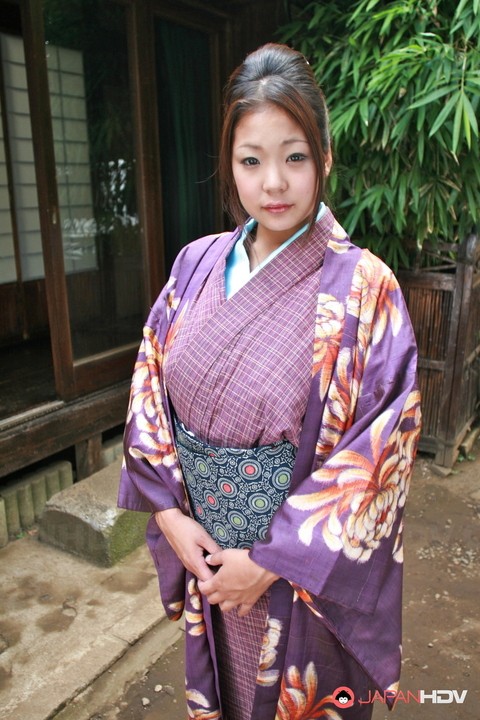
22, 501
84, 520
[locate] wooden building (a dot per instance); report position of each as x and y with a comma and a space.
110, 116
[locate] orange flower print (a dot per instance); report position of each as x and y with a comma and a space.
171, 301
146, 407
339, 234
398, 547
340, 408
266, 676
371, 296
194, 618
298, 697
328, 331
176, 609
203, 712
359, 498
302, 594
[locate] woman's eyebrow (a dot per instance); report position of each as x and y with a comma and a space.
288, 141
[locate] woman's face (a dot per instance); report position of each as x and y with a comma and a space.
274, 172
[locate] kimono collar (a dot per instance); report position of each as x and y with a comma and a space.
237, 267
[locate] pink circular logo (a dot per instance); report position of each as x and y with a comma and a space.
343, 697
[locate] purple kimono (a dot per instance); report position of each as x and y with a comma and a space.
336, 541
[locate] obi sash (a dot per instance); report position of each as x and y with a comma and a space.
234, 492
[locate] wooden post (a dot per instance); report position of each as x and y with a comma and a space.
88, 456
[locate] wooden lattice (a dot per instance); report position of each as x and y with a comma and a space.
444, 305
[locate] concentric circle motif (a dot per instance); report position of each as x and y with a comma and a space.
219, 460
259, 502
228, 488
281, 479
250, 469
234, 492
262, 532
201, 467
274, 450
237, 520
220, 533
244, 545
190, 479
210, 500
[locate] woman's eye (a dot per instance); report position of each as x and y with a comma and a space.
250, 161
297, 157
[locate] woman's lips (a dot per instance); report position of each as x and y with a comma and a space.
276, 208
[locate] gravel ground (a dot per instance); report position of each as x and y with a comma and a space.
158, 695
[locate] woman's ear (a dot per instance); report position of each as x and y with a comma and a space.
328, 162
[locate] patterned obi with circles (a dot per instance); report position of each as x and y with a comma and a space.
233, 492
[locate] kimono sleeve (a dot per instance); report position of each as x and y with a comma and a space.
340, 530
150, 479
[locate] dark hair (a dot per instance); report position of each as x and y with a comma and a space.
277, 75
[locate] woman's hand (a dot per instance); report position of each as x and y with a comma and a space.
188, 539
239, 582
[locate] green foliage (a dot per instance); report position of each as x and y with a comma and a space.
402, 81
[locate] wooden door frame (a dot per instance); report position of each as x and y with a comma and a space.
42, 136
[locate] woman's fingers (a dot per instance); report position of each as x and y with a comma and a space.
244, 609
188, 539
239, 581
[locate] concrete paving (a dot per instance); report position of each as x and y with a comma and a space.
73, 634
75, 637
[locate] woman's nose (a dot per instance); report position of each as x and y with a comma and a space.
274, 179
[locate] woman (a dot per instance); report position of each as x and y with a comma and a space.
272, 428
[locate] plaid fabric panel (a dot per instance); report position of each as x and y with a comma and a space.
239, 370
238, 643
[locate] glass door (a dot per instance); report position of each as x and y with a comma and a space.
26, 367
85, 152
88, 79
124, 108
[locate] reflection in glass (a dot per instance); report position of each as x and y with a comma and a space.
87, 62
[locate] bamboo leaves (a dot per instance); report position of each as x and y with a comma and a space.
402, 80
